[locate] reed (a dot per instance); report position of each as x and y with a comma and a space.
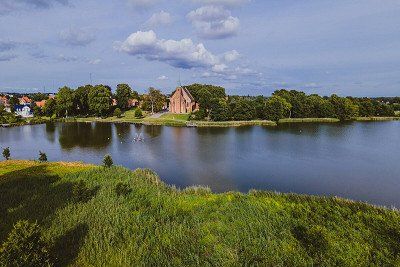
153, 224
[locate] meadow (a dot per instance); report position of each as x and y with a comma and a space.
131, 218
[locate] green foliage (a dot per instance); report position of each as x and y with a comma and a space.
65, 101
117, 113
122, 95
200, 114
37, 111
99, 99
50, 107
80, 192
42, 157
138, 113
25, 246
276, 108
122, 189
158, 225
154, 100
6, 153
219, 109
38, 97
205, 94
82, 99
344, 108
241, 109
107, 161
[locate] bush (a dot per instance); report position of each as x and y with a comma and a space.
107, 161
80, 192
6, 153
122, 189
138, 113
42, 156
117, 113
25, 246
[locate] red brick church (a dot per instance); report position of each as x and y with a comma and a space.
182, 101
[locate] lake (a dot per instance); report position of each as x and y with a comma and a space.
358, 160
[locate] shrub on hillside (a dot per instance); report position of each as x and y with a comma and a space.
42, 156
122, 189
25, 246
80, 192
107, 161
6, 153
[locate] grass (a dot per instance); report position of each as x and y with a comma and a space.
377, 118
152, 224
319, 120
233, 123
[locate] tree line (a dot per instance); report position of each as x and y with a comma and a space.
216, 105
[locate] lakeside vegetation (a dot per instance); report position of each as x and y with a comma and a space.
95, 216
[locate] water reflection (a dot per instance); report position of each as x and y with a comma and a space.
91, 135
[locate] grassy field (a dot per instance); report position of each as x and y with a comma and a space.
377, 118
152, 224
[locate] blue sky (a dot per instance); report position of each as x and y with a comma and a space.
248, 46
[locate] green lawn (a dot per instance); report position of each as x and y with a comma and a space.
153, 224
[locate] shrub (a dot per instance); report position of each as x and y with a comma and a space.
42, 156
122, 189
25, 246
314, 239
138, 113
107, 161
80, 192
6, 153
117, 113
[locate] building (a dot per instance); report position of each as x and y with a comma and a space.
40, 104
4, 101
133, 103
24, 100
182, 101
23, 111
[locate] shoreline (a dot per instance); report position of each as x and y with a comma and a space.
200, 124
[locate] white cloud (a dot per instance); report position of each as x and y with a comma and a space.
64, 58
77, 37
219, 68
231, 56
160, 18
7, 45
94, 61
162, 78
214, 22
8, 6
7, 57
181, 54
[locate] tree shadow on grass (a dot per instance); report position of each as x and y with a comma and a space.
30, 194
66, 248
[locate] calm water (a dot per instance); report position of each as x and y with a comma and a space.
357, 160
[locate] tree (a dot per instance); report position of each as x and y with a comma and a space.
6, 153
25, 246
82, 98
65, 101
123, 94
117, 113
50, 107
241, 109
344, 108
99, 100
219, 110
138, 113
154, 101
13, 101
107, 161
37, 111
42, 156
277, 108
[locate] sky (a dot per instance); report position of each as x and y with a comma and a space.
250, 47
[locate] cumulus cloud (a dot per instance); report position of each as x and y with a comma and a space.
64, 58
231, 56
94, 61
160, 18
8, 6
181, 54
214, 22
77, 37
